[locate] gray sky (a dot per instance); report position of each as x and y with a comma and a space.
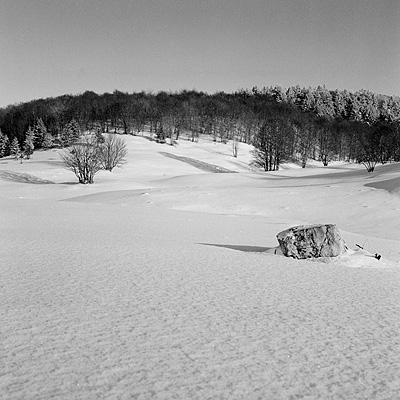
52, 47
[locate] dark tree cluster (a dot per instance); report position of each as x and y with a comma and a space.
294, 124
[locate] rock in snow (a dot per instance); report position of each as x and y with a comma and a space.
311, 241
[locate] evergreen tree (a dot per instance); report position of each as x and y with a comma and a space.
70, 134
293, 95
28, 143
4, 145
40, 132
15, 150
368, 106
323, 102
47, 141
278, 94
308, 100
339, 103
352, 108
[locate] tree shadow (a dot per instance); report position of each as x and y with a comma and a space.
199, 164
23, 178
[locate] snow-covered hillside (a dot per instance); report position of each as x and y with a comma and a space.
155, 281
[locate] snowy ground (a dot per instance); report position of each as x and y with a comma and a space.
155, 281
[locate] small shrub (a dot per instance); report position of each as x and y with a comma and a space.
88, 156
83, 158
112, 152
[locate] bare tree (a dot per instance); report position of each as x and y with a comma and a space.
112, 152
272, 143
83, 158
235, 144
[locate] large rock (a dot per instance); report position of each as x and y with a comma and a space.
311, 241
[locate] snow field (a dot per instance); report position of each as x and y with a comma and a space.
144, 285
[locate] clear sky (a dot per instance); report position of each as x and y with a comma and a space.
53, 47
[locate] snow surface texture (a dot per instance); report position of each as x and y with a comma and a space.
159, 281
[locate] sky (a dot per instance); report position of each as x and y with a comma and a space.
53, 47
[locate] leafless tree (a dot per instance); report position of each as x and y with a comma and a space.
83, 158
112, 152
235, 144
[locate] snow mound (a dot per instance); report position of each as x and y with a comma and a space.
359, 259
110, 197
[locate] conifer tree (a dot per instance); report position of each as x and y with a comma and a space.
4, 145
47, 141
75, 130
28, 143
15, 150
40, 132
70, 134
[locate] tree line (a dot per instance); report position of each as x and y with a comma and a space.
294, 124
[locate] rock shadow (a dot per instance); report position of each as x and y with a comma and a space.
244, 248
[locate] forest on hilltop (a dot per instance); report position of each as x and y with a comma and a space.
294, 124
